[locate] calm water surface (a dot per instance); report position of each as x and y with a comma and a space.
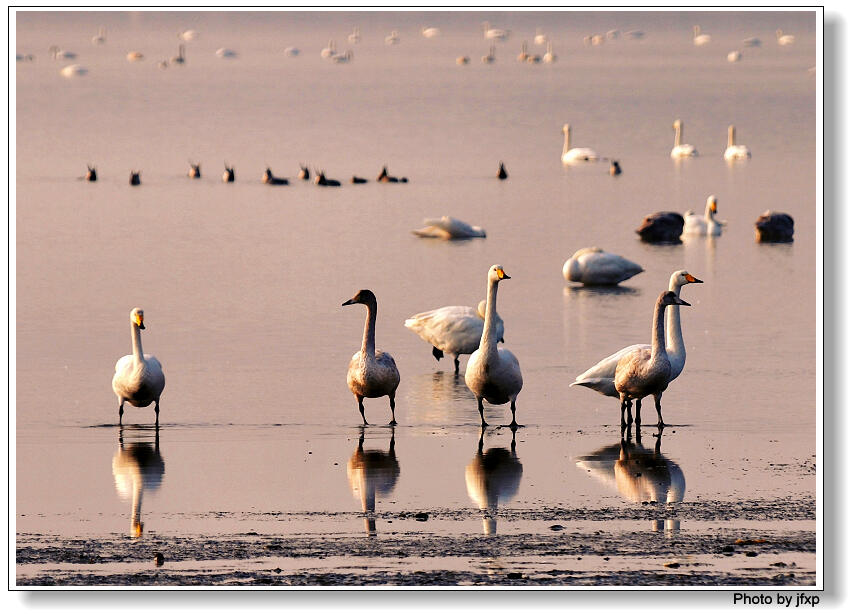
242, 284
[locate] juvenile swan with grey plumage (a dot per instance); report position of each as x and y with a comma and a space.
493, 374
646, 370
371, 373
139, 378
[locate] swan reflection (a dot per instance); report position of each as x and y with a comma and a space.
493, 477
138, 467
638, 474
372, 473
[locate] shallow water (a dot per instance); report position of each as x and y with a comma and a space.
243, 283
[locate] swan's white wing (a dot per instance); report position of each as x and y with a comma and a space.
607, 268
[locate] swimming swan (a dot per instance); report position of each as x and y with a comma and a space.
784, 39
774, 227
371, 373
493, 374
139, 377
601, 377
733, 151
706, 225
494, 33
577, 154
661, 227
681, 150
550, 57
455, 329
594, 267
700, 39
647, 370
449, 228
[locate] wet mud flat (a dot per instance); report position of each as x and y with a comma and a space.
752, 543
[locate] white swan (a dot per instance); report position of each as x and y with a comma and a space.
550, 57
226, 53
291, 52
187, 35
341, 58
392, 39
577, 154
634, 34
134, 56
540, 37
178, 59
490, 57
734, 56
139, 378
784, 39
354, 37
494, 33
100, 38
700, 39
595, 267
73, 70
647, 370
371, 373
681, 150
734, 151
60, 54
493, 374
330, 50
430, 32
752, 41
523, 55
449, 228
601, 377
462, 60
455, 329
703, 225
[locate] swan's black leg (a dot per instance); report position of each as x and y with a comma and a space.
638, 411
121, 410
623, 405
157, 413
392, 407
513, 425
362, 409
481, 412
457, 365
660, 423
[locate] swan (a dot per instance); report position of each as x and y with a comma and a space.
304, 173
522, 56
449, 228
502, 173
330, 50
60, 54
134, 56
493, 477
355, 179
195, 171
134, 179
540, 37
601, 377
706, 225
372, 473
774, 227
734, 56
735, 152
100, 38
594, 267
291, 52
228, 173
321, 179
550, 57
784, 39
73, 70
371, 373
91, 174
223, 52
430, 32
354, 37
613, 34
454, 329
700, 39
635, 34
462, 60
614, 168
385, 177
493, 374
662, 227
494, 33
187, 35
139, 377
392, 39
597, 39
490, 57
752, 42
646, 371
534, 59
268, 177
577, 154
681, 150
178, 59
341, 58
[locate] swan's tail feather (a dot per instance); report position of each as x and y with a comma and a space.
605, 386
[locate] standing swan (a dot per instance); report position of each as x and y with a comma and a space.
705, 226
601, 377
371, 373
139, 377
681, 150
577, 154
647, 370
733, 151
493, 374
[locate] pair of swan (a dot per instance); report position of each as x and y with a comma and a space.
576, 154
493, 374
703, 225
592, 266
681, 150
774, 227
448, 228
371, 373
454, 329
139, 378
602, 376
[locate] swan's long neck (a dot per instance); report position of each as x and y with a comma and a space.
488, 339
675, 338
658, 331
678, 130
369, 332
567, 145
136, 343
732, 136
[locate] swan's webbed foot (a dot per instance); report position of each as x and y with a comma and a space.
392, 422
481, 413
362, 411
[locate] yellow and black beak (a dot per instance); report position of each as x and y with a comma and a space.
500, 272
713, 206
693, 280
138, 319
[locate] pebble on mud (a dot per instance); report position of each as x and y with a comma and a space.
750, 553
158, 558
514, 575
673, 564
421, 516
556, 527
